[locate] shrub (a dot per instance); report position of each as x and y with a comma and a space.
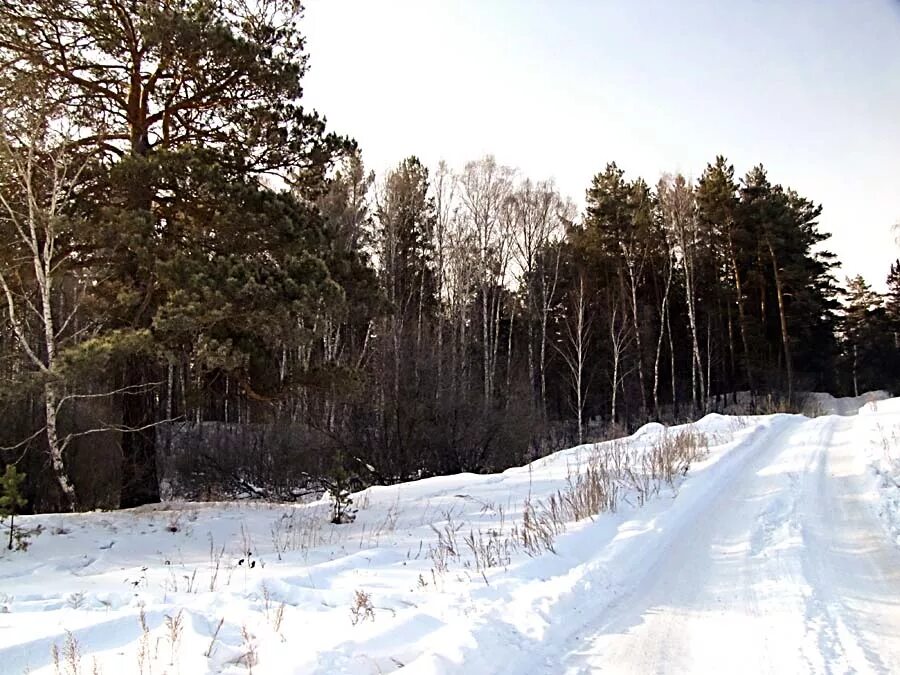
11, 501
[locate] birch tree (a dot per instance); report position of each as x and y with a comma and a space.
573, 346
666, 259
39, 176
620, 337
484, 190
679, 213
540, 215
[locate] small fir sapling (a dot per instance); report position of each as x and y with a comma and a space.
11, 500
340, 490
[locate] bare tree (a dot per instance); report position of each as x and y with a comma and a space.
460, 258
666, 255
444, 190
39, 175
540, 214
633, 246
621, 337
572, 346
676, 197
484, 189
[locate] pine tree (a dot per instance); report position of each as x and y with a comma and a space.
891, 371
892, 301
186, 108
716, 211
405, 226
865, 335
790, 287
615, 237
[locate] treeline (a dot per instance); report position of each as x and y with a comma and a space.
185, 244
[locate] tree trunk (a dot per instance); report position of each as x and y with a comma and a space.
785, 337
742, 318
699, 393
509, 351
55, 447
140, 482
732, 376
619, 340
632, 281
709, 387
548, 292
534, 387
663, 314
486, 347
43, 260
672, 366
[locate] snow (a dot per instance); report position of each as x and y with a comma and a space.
826, 404
778, 552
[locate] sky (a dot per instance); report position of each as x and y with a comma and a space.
559, 88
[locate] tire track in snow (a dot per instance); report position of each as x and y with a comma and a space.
816, 587
604, 590
851, 568
768, 561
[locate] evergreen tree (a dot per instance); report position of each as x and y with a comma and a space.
187, 106
406, 219
615, 237
892, 301
716, 211
405, 243
11, 498
791, 290
866, 337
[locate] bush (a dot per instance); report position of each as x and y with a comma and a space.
11, 501
216, 460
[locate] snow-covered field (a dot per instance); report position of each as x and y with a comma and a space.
779, 552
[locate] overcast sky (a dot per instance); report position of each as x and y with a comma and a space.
558, 88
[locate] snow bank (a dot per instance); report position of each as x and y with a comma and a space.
826, 404
433, 576
880, 438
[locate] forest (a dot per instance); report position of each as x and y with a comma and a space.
192, 259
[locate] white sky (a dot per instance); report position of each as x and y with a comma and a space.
557, 88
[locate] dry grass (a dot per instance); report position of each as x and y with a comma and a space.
611, 470
594, 485
668, 459
489, 549
539, 528
888, 441
591, 490
143, 652
174, 627
297, 530
214, 637
249, 656
446, 548
274, 614
68, 660
361, 608
672, 455
215, 563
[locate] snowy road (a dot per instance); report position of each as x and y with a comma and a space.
776, 566
778, 552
